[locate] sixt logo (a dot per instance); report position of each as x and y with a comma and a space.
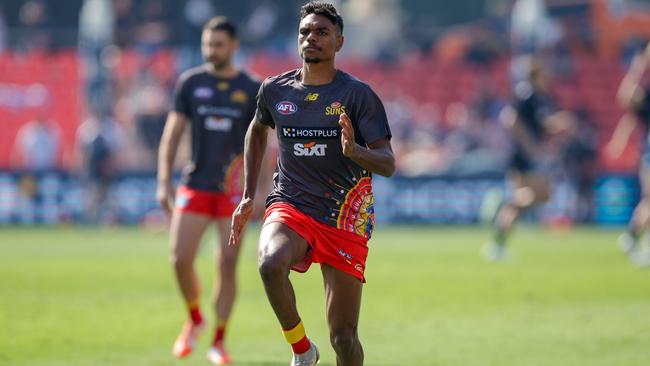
334, 109
286, 108
309, 149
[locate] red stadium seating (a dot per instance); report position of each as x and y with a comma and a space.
425, 79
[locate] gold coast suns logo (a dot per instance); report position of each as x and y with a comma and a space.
239, 96
334, 109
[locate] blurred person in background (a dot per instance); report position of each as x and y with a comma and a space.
333, 135
36, 150
98, 140
217, 102
96, 27
580, 162
150, 119
35, 27
539, 131
634, 97
37, 145
153, 30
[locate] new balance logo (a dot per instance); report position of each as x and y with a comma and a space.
311, 97
309, 149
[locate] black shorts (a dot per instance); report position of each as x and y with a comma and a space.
521, 164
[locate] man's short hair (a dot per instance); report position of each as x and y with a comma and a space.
325, 9
221, 23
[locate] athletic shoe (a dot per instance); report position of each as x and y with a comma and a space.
187, 339
309, 358
641, 258
626, 243
494, 252
217, 355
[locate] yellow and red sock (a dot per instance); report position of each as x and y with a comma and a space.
195, 312
219, 332
297, 338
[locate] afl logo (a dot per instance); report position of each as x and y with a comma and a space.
286, 108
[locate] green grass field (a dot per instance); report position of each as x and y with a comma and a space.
71, 296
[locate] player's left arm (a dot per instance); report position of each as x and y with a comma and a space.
377, 157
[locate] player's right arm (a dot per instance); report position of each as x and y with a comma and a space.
629, 95
169, 142
254, 148
630, 92
621, 135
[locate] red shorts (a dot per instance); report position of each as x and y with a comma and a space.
340, 249
214, 204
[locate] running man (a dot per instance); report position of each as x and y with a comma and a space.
217, 101
538, 129
333, 134
635, 99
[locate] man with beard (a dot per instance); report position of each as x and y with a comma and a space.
333, 134
217, 101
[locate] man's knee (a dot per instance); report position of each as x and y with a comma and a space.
344, 340
181, 261
227, 262
272, 266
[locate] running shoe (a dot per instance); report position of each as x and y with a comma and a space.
309, 358
218, 356
187, 339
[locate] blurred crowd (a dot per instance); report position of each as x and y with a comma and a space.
132, 52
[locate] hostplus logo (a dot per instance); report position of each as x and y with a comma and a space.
310, 132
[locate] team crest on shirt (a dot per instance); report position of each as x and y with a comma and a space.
335, 109
203, 92
286, 107
239, 96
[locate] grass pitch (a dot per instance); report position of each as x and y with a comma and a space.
71, 296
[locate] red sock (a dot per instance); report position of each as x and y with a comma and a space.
195, 312
219, 333
297, 338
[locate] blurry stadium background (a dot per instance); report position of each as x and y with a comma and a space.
85, 87
443, 70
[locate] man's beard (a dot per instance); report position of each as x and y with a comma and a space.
218, 64
312, 60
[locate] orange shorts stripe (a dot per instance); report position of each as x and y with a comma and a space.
340, 249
